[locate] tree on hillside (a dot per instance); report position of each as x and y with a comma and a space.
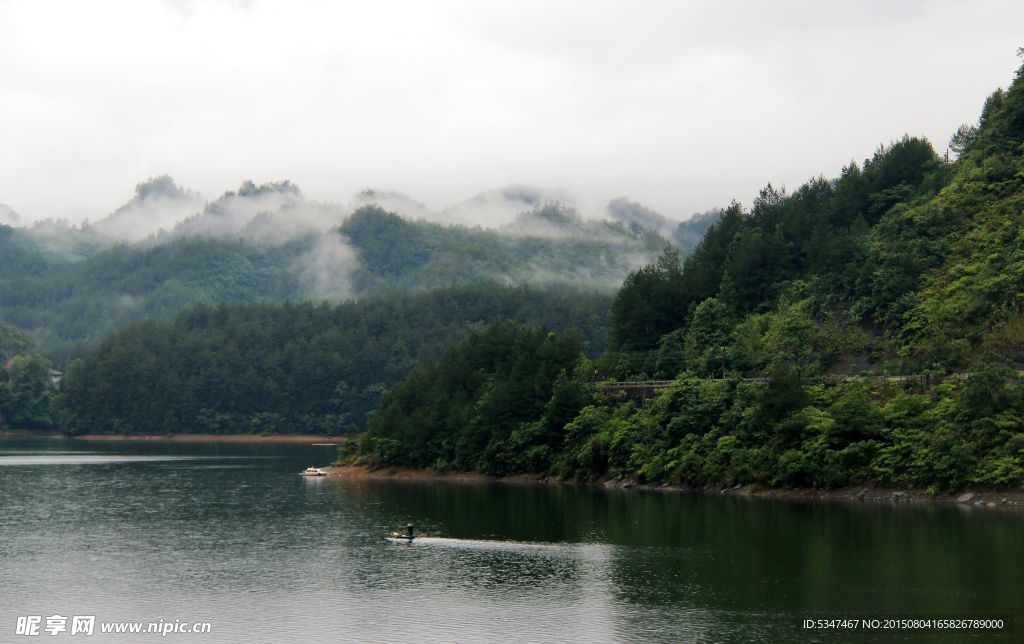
26, 396
651, 302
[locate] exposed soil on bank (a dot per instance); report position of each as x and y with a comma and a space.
185, 438
1007, 499
29, 433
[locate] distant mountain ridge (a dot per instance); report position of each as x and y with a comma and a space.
161, 210
268, 242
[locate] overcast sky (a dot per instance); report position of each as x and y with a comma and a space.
682, 106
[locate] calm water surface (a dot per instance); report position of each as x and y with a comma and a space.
229, 534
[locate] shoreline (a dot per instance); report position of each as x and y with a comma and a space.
979, 498
967, 499
184, 438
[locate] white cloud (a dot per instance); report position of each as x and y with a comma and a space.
681, 106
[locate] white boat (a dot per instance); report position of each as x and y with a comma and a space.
313, 471
398, 537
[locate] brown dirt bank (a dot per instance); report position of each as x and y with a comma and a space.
1007, 499
29, 433
215, 438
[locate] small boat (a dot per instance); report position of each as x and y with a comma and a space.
398, 537
313, 471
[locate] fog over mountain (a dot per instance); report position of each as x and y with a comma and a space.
8, 216
499, 207
277, 212
158, 204
169, 247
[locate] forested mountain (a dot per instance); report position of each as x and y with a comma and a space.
268, 243
82, 302
17, 258
813, 255
684, 234
904, 264
550, 244
293, 368
157, 205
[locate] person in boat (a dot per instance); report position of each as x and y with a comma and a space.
410, 531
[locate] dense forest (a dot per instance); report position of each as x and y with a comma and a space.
905, 274
292, 368
70, 299
497, 402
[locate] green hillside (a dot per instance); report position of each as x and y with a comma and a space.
905, 273
275, 256
397, 254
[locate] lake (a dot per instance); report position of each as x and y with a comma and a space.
228, 533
